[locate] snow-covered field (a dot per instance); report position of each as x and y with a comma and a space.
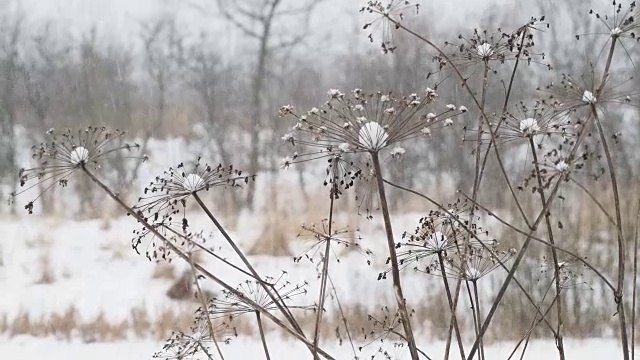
26, 348
94, 270
52, 266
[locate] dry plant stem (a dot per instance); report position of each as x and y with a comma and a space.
478, 169
454, 320
401, 336
262, 336
525, 246
476, 187
515, 280
395, 270
535, 322
554, 254
205, 308
503, 170
344, 318
527, 336
205, 350
619, 293
635, 284
505, 104
544, 242
595, 201
285, 311
478, 316
325, 273
456, 296
210, 253
204, 271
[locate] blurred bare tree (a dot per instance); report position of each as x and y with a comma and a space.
276, 25
10, 37
43, 77
215, 85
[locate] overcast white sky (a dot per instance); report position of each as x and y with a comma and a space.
334, 18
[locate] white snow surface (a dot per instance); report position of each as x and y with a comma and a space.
28, 348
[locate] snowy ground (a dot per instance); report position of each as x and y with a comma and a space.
26, 348
91, 268
95, 271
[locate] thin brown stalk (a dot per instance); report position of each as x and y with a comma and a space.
554, 254
478, 316
465, 84
635, 284
277, 301
475, 189
619, 293
454, 319
535, 322
546, 243
205, 350
325, 271
525, 31
344, 318
262, 336
205, 308
203, 270
395, 269
595, 201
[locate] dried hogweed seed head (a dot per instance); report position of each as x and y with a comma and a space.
192, 182
529, 126
562, 166
358, 122
318, 236
372, 136
65, 153
439, 240
485, 50
588, 97
397, 152
79, 155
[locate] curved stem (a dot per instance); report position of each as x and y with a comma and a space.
595, 201
478, 105
619, 293
535, 323
475, 190
325, 272
523, 37
199, 267
635, 284
395, 269
205, 308
344, 318
554, 253
277, 301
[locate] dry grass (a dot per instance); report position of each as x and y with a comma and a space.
164, 270
70, 324
47, 274
278, 229
182, 288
